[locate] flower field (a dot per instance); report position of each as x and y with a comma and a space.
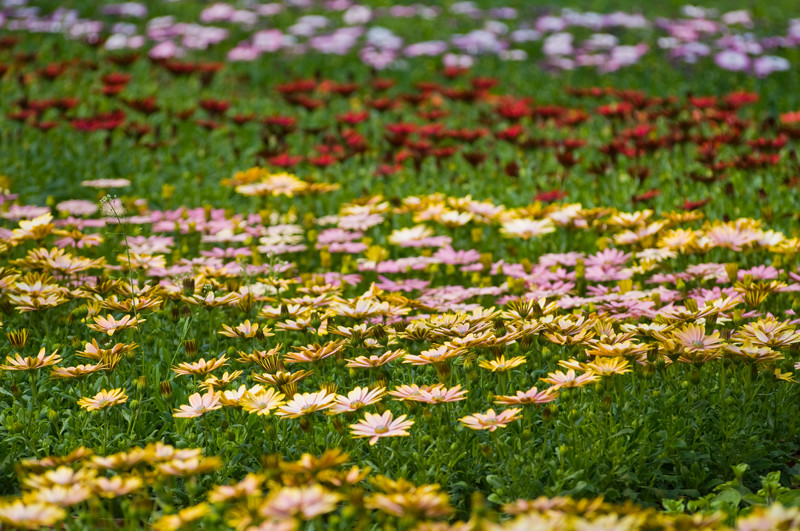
433, 266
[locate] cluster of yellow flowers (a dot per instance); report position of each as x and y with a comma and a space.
286, 493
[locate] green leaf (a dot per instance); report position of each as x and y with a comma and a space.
790, 499
728, 497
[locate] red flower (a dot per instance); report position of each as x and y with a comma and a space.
209, 125
385, 170
382, 84
307, 103
52, 71
284, 160
100, 122
510, 134
116, 78
144, 105
512, 109
344, 89
650, 194
215, 107
434, 114
296, 87
45, 126
241, 119
22, 116
179, 68
694, 205
451, 72
615, 110
550, 196
323, 161
703, 102
66, 103
112, 90
382, 104
740, 98
352, 118
484, 83
40, 105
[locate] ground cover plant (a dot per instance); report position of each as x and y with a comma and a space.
446, 266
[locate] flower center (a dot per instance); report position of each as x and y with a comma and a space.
381, 429
698, 344
356, 404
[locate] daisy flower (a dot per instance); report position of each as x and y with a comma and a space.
31, 515
356, 399
559, 379
305, 403
491, 420
109, 325
306, 502
314, 353
103, 399
18, 363
608, 366
693, 339
198, 405
261, 402
531, 396
439, 394
377, 426
76, 372
411, 392
200, 367
501, 364
362, 362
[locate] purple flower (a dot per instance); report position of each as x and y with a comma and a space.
732, 60
268, 40
558, 44
126, 9
357, 15
429, 48
764, 66
741, 16
218, 12
243, 52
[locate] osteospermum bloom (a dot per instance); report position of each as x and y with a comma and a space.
76, 372
501, 364
531, 396
262, 401
198, 405
607, 366
424, 501
356, 399
18, 363
377, 426
305, 403
31, 515
362, 362
109, 325
491, 420
693, 339
316, 352
103, 399
560, 379
411, 392
307, 502
200, 367
249, 486
439, 394
116, 486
